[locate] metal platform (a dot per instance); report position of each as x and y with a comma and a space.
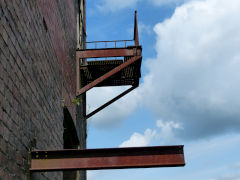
95, 69
124, 70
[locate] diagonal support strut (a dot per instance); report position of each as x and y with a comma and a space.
111, 101
107, 75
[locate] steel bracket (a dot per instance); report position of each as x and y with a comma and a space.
107, 75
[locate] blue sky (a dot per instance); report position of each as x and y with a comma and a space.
189, 91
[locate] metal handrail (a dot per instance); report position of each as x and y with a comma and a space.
106, 43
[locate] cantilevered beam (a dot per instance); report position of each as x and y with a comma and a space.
109, 52
111, 101
107, 75
116, 158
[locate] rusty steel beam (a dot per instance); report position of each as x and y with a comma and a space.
136, 38
109, 52
77, 74
111, 101
115, 158
107, 75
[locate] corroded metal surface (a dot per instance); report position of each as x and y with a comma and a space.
108, 74
113, 158
136, 38
109, 52
95, 69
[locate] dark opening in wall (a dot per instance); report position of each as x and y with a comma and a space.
70, 140
70, 137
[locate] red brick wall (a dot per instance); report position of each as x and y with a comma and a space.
36, 73
61, 23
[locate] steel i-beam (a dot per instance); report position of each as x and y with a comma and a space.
114, 158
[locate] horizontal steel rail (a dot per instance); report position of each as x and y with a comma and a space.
109, 52
108, 44
110, 41
114, 158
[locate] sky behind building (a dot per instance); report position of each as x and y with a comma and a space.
189, 91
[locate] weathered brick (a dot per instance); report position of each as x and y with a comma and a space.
31, 78
1, 86
3, 63
4, 146
5, 35
3, 174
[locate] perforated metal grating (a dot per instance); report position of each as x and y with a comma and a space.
128, 76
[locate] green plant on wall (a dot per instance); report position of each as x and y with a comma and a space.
63, 103
76, 101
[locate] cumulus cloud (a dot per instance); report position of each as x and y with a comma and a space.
163, 133
116, 5
138, 139
166, 132
195, 80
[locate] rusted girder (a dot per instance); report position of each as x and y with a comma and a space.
109, 52
107, 75
115, 158
111, 101
135, 37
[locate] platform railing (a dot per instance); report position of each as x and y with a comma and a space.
109, 44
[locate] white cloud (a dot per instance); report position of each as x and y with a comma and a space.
195, 79
138, 139
163, 133
166, 134
116, 5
